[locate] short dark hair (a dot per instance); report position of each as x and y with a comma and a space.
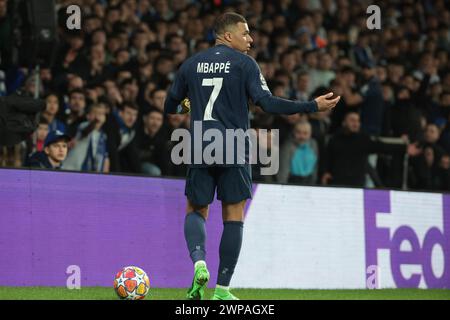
128, 104
347, 113
226, 20
150, 110
76, 90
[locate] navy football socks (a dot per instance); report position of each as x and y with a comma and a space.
195, 235
230, 247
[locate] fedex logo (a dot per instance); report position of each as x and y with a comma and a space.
421, 250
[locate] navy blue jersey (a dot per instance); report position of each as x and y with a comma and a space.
219, 83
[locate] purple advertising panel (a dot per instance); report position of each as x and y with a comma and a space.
52, 220
420, 250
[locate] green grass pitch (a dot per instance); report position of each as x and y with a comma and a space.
101, 293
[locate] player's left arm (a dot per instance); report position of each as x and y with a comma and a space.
176, 101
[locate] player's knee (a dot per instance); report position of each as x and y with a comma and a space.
233, 211
203, 210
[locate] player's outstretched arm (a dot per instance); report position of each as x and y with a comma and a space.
272, 104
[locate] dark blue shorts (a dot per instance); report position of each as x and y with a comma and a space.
233, 184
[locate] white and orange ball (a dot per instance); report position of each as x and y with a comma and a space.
131, 283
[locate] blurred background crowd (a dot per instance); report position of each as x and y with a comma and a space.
105, 87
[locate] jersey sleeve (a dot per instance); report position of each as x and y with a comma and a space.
255, 83
178, 90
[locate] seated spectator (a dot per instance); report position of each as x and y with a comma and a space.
54, 153
151, 142
89, 151
299, 156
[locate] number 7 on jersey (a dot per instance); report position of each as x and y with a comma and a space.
217, 84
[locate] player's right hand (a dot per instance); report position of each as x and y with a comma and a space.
324, 102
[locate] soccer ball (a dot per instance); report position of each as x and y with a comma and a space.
131, 283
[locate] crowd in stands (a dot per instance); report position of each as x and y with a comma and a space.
106, 84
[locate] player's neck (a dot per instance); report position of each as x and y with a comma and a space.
222, 42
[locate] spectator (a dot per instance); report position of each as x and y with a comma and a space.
129, 90
370, 100
74, 82
74, 114
70, 58
96, 71
157, 98
362, 53
322, 76
120, 129
443, 174
431, 138
89, 150
151, 143
301, 92
50, 113
405, 117
348, 150
311, 62
164, 70
36, 142
427, 173
54, 153
299, 156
